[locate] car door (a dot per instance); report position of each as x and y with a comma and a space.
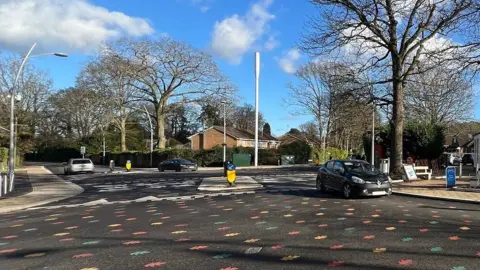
328, 173
338, 175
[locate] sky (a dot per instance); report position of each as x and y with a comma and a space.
230, 30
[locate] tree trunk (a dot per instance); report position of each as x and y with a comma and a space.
123, 134
320, 129
398, 117
161, 126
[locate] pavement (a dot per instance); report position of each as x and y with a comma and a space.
46, 188
436, 189
291, 230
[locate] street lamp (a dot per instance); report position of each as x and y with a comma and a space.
151, 136
257, 75
11, 156
373, 135
224, 131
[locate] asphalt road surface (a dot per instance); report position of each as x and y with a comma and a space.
139, 184
302, 230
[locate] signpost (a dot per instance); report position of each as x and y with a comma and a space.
82, 151
450, 176
410, 172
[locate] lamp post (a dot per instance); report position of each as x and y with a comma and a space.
11, 155
373, 135
257, 75
151, 136
224, 131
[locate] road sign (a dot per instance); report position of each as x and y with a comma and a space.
83, 150
450, 176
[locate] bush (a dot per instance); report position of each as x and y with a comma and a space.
334, 153
302, 151
3, 158
53, 154
268, 157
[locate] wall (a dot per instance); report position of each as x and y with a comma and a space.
213, 137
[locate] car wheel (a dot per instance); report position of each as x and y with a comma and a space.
178, 170
320, 186
347, 191
65, 172
161, 169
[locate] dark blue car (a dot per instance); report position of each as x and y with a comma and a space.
352, 178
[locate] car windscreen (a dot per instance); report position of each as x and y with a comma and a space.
360, 167
81, 161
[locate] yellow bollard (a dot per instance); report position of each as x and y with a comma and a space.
231, 176
128, 165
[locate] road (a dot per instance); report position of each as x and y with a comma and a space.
295, 230
140, 184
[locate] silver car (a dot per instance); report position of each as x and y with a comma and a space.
78, 165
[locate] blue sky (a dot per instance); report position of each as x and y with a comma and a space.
193, 21
270, 26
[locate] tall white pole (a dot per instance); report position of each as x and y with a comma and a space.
11, 158
224, 132
151, 136
104, 147
257, 75
373, 136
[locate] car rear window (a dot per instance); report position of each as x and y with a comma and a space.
81, 161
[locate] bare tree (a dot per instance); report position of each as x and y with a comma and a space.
110, 77
440, 95
320, 93
243, 117
80, 110
310, 129
391, 36
167, 72
33, 89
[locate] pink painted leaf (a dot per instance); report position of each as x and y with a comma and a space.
132, 243
278, 246
336, 263
5, 251
336, 247
405, 262
83, 255
155, 264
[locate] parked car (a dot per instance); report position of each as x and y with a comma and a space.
353, 178
467, 159
78, 165
177, 165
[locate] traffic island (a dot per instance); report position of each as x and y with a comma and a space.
221, 184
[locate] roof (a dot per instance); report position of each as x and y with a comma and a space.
288, 138
240, 134
461, 140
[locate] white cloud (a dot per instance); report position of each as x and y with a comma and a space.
67, 25
288, 62
204, 9
271, 43
235, 35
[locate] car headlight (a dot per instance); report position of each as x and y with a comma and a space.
358, 180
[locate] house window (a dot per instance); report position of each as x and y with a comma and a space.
244, 143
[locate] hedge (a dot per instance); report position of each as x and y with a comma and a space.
3, 158
301, 151
332, 152
204, 158
53, 154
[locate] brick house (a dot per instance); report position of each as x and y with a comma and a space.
213, 136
